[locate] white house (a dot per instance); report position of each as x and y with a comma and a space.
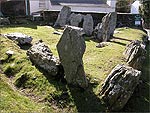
135, 7
95, 6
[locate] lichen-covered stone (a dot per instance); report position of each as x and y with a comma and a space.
119, 86
71, 48
42, 57
135, 54
63, 16
105, 30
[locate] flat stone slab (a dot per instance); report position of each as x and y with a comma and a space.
19, 37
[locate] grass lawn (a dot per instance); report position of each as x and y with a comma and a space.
40, 90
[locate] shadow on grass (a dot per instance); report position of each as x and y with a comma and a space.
85, 100
140, 100
117, 42
122, 39
112, 39
32, 26
25, 47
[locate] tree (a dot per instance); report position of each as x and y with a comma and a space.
145, 13
124, 6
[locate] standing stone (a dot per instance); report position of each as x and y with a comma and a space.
42, 57
75, 19
107, 27
135, 54
63, 16
71, 48
119, 86
88, 25
19, 37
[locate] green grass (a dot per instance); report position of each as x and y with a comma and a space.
13, 101
42, 88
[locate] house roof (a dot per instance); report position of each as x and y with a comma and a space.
59, 2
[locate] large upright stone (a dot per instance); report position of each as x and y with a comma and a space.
63, 16
75, 19
88, 25
71, 48
42, 57
107, 27
119, 86
135, 54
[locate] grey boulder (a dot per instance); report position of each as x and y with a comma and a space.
42, 57
88, 25
119, 86
71, 48
63, 16
75, 19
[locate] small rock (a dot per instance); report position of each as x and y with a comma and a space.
102, 44
9, 52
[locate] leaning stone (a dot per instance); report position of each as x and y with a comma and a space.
106, 29
135, 54
119, 86
42, 57
63, 16
75, 19
19, 37
88, 25
71, 48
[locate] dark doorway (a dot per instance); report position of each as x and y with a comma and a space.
13, 8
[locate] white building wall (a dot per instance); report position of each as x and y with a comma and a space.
112, 3
135, 7
84, 9
34, 6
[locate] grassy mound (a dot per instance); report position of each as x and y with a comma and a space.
54, 92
